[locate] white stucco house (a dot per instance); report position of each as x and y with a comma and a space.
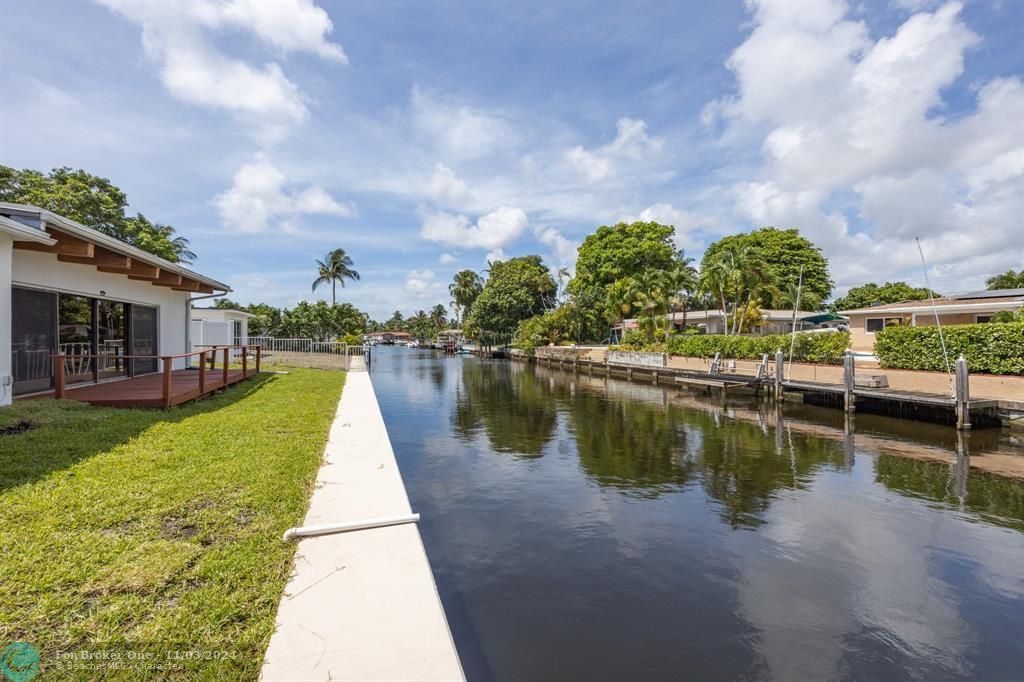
66, 288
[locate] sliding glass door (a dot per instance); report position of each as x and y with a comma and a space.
45, 323
75, 336
33, 338
111, 339
144, 336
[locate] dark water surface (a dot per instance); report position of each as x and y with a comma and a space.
589, 529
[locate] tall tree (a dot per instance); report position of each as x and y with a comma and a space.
563, 274
873, 294
517, 289
789, 295
94, 202
395, 322
335, 267
464, 289
438, 317
419, 325
781, 254
1010, 279
680, 284
622, 250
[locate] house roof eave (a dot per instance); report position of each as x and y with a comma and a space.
62, 224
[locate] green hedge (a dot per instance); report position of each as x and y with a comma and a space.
821, 347
989, 348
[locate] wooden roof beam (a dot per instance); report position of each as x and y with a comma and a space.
104, 260
167, 279
187, 285
66, 246
143, 271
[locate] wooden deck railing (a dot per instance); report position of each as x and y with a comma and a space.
167, 366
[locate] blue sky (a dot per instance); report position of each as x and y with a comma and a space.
425, 138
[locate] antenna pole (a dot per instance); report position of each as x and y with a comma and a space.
796, 307
935, 311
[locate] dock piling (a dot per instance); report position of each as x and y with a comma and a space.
848, 381
780, 360
963, 395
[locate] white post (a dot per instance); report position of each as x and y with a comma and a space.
780, 360
963, 395
6, 321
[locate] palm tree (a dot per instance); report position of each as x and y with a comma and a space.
438, 317
182, 251
731, 276
465, 287
336, 267
788, 296
757, 285
418, 324
651, 300
619, 300
563, 272
680, 283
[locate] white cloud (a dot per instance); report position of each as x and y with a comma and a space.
498, 228
447, 259
290, 25
592, 165
195, 71
257, 198
631, 143
564, 250
495, 255
422, 284
459, 130
444, 184
841, 115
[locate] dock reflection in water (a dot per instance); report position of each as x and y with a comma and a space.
586, 528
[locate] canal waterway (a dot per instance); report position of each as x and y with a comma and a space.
584, 528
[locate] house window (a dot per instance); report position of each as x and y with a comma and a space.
877, 324
982, 319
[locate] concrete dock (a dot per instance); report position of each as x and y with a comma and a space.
361, 605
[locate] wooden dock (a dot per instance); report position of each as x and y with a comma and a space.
959, 409
933, 399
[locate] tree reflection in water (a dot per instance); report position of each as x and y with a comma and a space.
510, 404
646, 441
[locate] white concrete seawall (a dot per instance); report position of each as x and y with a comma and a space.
361, 605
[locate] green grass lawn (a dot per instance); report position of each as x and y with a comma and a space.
157, 532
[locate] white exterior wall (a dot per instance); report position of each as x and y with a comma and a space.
6, 389
216, 327
209, 333
44, 271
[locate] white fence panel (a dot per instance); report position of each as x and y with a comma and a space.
303, 352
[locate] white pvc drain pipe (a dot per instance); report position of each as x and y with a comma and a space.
330, 528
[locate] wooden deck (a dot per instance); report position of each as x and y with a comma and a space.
147, 390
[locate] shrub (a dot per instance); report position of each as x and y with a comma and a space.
530, 333
1009, 316
989, 348
826, 348
351, 339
